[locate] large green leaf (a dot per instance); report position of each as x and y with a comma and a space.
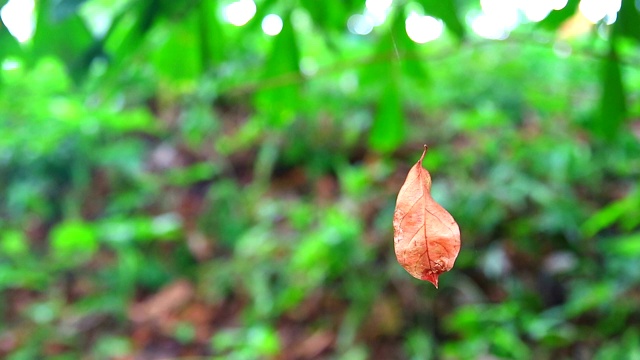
178, 57
406, 50
557, 17
68, 39
8, 44
328, 14
447, 12
212, 36
279, 97
397, 57
612, 98
395, 51
389, 128
128, 29
628, 22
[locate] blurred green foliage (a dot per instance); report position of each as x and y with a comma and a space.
144, 143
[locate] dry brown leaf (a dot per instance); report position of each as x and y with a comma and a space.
313, 346
426, 238
167, 300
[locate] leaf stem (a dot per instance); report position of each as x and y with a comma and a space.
423, 153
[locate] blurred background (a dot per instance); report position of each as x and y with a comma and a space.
211, 179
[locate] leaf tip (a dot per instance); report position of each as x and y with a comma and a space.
431, 277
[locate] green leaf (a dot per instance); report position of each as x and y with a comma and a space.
123, 41
419, 344
328, 14
192, 174
264, 339
184, 332
395, 52
557, 17
628, 22
129, 29
69, 39
73, 242
178, 58
589, 296
14, 244
213, 39
612, 99
407, 52
109, 347
604, 218
626, 245
280, 95
447, 12
118, 230
623, 211
8, 44
62, 9
139, 119
626, 348
389, 128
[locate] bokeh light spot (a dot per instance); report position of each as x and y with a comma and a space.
596, 10
240, 12
272, 24
17, 16
422, 29
377, 10
360, 24
536, 11
558, 4
484, 26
